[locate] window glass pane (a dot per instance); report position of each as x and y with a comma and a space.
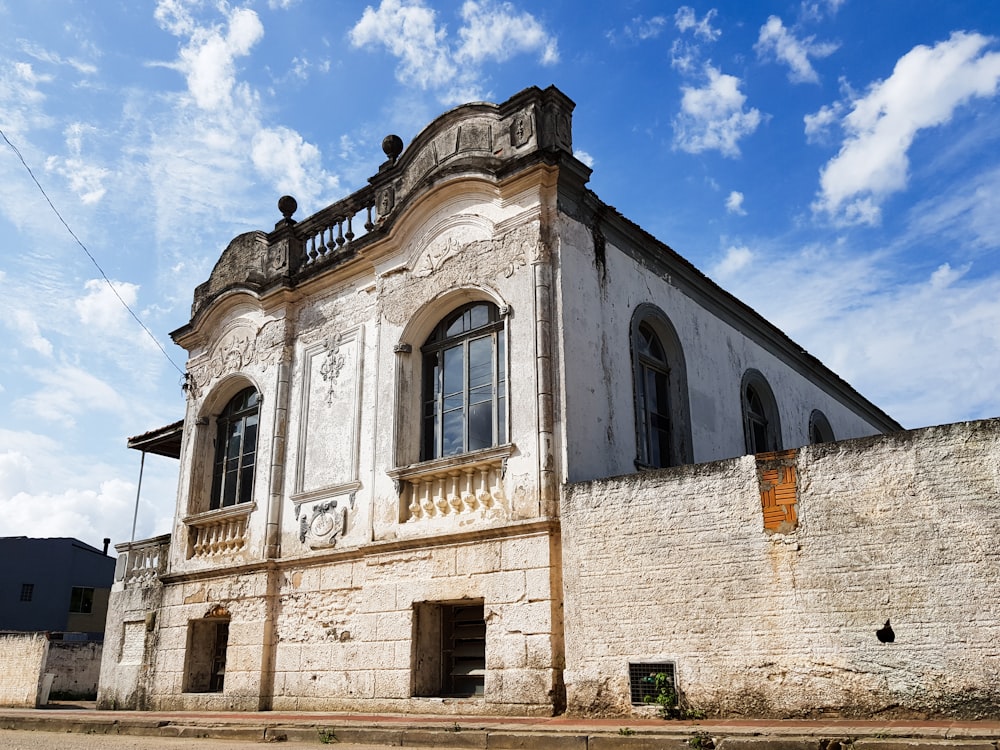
501, 419
250, 438
229, 487
501, 358
452, 433
234, 441
246, 484
481, 362
453, 375
429, 448
459, 325
480, 425
758, 433
483, 393
479, 316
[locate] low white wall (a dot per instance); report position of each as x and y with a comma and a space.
22, 663
77, 669
676, 565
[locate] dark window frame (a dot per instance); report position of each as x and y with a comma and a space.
27, 592
234, 465
761, 421
820, 430
473, 326
664, 371
81, 600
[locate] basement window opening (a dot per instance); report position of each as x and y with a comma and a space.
205, 668
449, 649
642, 680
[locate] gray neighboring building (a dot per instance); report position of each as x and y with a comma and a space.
57, 584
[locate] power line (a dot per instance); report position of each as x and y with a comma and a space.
92, 259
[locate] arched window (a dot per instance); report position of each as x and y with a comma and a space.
464, 383
235, 450
760, 414
653, 394
819, 428
663, 433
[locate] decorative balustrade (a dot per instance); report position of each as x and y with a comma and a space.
466, 485
146, 559
331, 232
218, 532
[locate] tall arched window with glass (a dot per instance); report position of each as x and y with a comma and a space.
235, 450
653, 395
464, 383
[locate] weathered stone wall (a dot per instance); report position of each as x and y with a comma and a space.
77, 669
242, 598
22, 663
346, 636
130, 639
676, 565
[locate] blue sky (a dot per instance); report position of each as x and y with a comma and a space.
835, 164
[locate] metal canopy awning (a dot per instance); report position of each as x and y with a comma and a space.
163, 441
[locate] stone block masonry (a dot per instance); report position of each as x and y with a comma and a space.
760, 618
22, 663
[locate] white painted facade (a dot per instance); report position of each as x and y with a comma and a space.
344, 579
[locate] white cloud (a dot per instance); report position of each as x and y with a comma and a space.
208, 61
872, 327
685, 55
281, 4
817, 126
43, 55
734, 203
86, 180
584, 157
816, 11
926, 87
48, 489
640, 29
966, 216
775, 39
27, 326
67, 392
498, 32
713, 117
291, 164
101, 308
409, 31
737, 258
687, 20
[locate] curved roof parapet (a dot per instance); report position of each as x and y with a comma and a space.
493, 140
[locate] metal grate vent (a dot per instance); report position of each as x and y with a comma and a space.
642, 679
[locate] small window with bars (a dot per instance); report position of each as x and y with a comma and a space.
647, 679
27, 591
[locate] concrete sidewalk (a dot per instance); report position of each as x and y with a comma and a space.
501, 733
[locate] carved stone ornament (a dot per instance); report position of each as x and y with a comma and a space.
385, 202
435, 256
324, 525
270, 339
331, 367
520, 130
277, 257
233, 353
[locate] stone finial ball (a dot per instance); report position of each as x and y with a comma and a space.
392, 145
287, 205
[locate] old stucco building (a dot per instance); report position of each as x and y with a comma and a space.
469, 441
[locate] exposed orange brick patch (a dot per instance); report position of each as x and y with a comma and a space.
778, 494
